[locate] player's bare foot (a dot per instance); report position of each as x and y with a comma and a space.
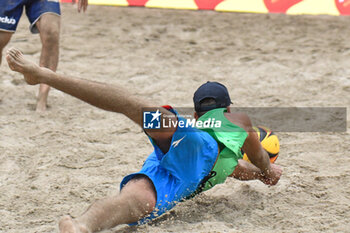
68, 225
41, 106
30, 70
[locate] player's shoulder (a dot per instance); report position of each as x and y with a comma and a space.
239, 118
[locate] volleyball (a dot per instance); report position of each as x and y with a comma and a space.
269, 141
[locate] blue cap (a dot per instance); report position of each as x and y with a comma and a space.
212, 90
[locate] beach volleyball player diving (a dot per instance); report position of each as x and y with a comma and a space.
185, 160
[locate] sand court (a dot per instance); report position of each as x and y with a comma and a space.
60, 161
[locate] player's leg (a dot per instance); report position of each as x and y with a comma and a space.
115, 98
10, 13
44, 16
49, 29
4, 39
135, 201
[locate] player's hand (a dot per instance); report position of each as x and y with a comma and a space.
272, 176
82, 5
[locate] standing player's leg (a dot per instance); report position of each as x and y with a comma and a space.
4, 39
10, 13
49, 29
44, 16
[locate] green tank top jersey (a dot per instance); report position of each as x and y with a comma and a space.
230, 138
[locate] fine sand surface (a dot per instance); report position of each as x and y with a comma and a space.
60, 161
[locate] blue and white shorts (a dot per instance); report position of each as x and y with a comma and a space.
11, 11
177, 174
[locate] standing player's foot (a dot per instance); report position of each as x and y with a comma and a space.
41, 105
68, 225
42, 98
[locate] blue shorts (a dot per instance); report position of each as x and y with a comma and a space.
177, 174
11, 11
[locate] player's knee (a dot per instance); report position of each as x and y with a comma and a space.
150, 200
50, 36
144, 203
141, 196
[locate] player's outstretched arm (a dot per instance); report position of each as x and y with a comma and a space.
256, 154
105, 96
259, 157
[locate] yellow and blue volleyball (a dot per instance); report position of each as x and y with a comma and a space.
269, 141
